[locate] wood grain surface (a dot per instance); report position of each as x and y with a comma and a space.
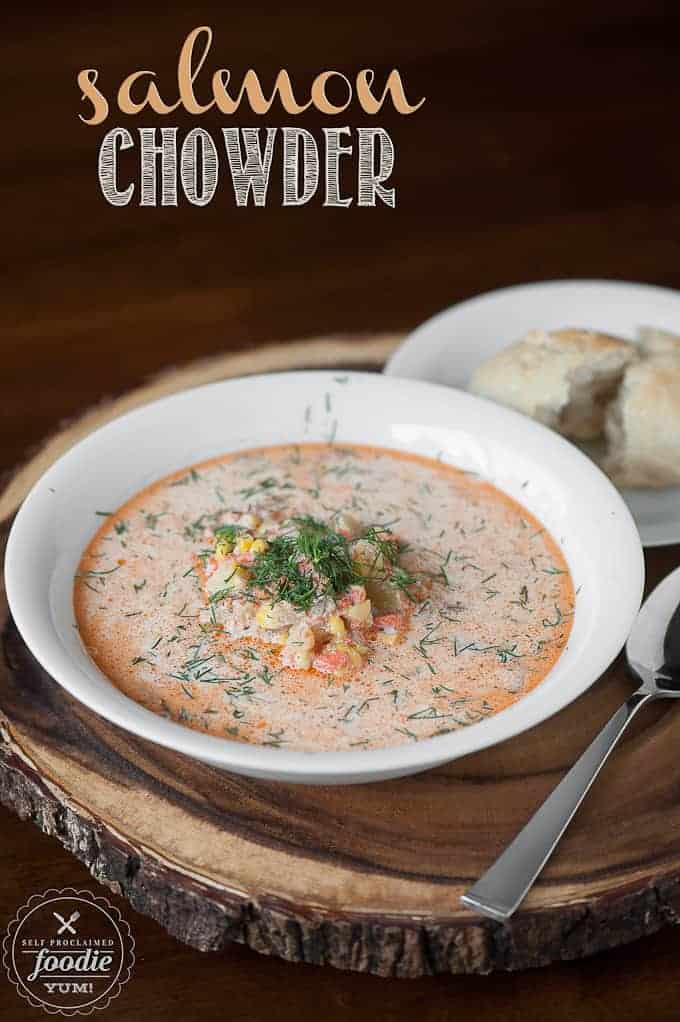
546, 148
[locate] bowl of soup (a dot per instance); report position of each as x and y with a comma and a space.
324, 577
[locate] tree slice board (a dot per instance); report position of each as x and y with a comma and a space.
366, 877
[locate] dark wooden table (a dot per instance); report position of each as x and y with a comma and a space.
547, 148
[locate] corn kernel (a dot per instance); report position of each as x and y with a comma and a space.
223, 548
258, 547
262, 615
243, 544
336, 626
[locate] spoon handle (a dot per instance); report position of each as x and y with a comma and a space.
504, 885
671, 644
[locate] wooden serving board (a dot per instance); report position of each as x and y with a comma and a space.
365, 877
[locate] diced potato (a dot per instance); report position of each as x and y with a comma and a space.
300, 659
367, 559
229, 576
299, 649
276, 615
336, 626
358, 613
303, 635
258, 547
238, 579
385, 598
351, 651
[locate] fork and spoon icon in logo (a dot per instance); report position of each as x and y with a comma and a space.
66, 924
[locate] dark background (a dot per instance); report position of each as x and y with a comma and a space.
548, 146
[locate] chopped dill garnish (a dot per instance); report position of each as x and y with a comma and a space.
191, 477
278, 572
402, 579
327, 551
268, 483
510, 653
151, 519
97, 574
405, 731
311, 560
380, 536
559, 618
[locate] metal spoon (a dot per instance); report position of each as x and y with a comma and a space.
653, 655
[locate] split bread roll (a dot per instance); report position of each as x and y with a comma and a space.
643, 424
564, 378
655, 343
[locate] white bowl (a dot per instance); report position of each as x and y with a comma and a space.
448, 348
565, 491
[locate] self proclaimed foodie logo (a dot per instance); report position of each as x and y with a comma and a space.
68, 952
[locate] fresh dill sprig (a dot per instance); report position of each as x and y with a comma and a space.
311, 560
278, 572
380, 536
402, 579
328, 553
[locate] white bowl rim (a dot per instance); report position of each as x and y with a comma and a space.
628, 287
339, 766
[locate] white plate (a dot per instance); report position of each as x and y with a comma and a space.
448, 347
549, 476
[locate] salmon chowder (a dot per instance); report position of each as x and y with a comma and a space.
323, 597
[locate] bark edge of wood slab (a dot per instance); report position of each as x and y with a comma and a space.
364, 878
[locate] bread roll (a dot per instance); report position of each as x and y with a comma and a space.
655, 342
643, 425
564, 379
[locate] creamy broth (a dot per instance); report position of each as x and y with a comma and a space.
321, 597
